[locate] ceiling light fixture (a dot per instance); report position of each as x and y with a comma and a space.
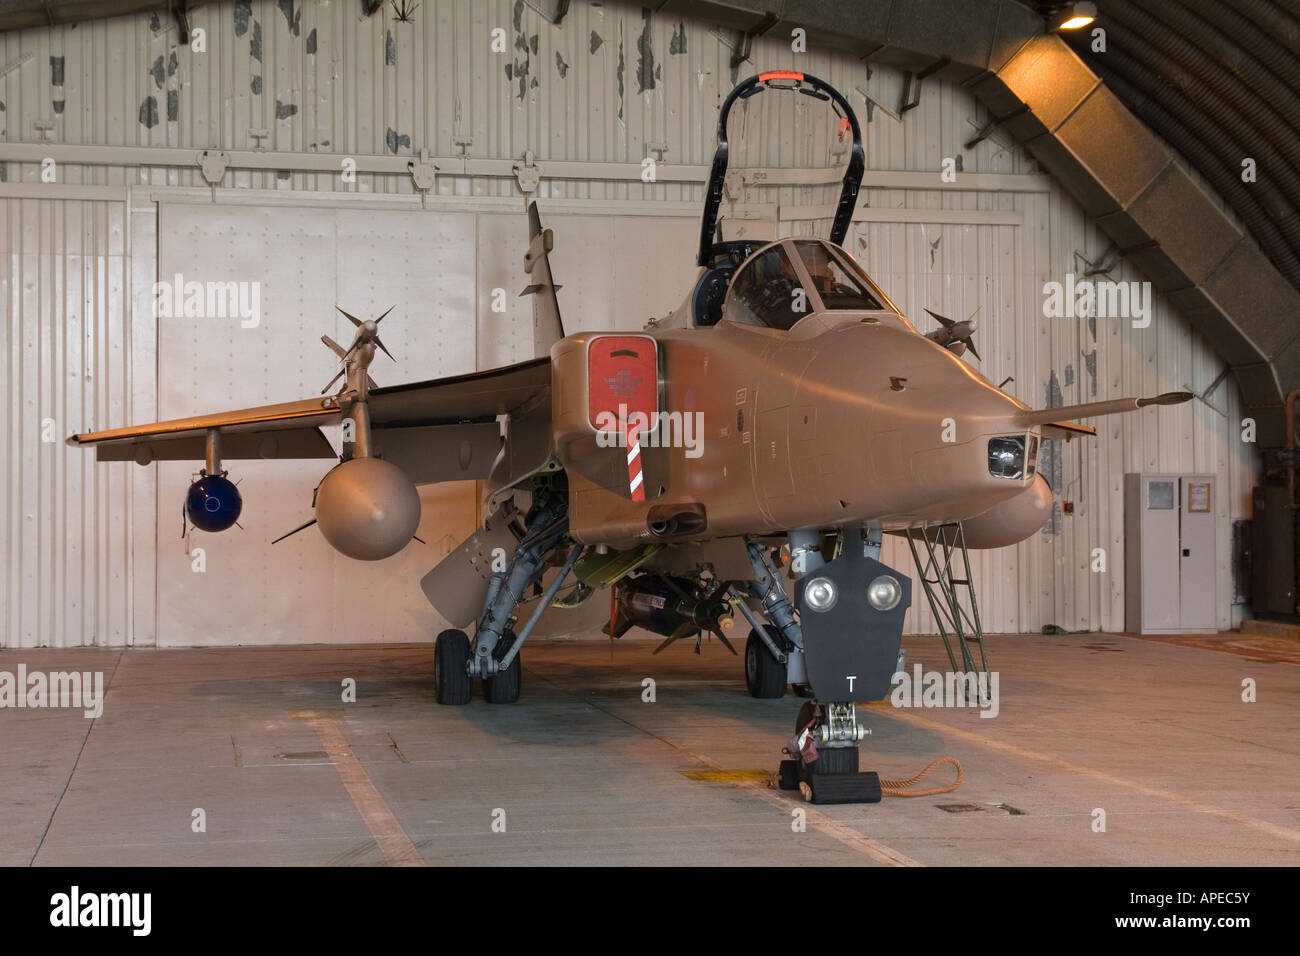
1073, 16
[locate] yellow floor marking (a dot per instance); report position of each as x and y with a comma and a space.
393, 842
334, 713
727, 776
1272, 829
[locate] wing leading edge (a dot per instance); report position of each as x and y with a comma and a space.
420, 412
288, 430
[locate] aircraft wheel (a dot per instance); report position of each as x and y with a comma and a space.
504, 687
835, 760
450, 655
788, 775
764, 674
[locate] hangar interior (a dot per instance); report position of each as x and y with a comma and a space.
341, 153
131, 207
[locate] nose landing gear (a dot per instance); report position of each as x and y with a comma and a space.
844, 641
828, 773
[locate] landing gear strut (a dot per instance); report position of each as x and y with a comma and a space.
824, 756
494, 656
846, 638
503, 686
774, 651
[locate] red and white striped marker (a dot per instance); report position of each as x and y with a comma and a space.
634, 463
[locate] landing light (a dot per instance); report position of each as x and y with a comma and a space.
820, 594
885, 592
1007, 457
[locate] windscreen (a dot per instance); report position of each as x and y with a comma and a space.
838, 288
767, 291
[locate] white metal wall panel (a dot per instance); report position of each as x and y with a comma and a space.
303, 261
329, 84
615, 272
70, 529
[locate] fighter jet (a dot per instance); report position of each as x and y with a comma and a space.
769, 430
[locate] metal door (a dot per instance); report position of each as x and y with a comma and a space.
1160, 543
1196, 559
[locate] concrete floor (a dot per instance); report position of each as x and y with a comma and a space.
1154, 733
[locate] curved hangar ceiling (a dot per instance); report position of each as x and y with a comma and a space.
1084, 134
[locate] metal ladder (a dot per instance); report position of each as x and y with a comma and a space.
944, 585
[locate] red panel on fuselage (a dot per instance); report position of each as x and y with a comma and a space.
622, 380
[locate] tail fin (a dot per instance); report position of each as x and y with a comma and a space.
548, 327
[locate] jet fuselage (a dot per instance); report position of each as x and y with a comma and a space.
845, 419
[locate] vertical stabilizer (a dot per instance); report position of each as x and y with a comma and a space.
548, 327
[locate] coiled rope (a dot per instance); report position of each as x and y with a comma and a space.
900, 788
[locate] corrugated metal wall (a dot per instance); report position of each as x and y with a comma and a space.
68, 526
610, 85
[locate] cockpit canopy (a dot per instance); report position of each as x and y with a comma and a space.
784, 281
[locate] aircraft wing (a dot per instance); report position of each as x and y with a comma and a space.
478, 396
271, 431
447, 430
420, 426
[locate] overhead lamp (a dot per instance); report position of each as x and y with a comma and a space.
1073, 16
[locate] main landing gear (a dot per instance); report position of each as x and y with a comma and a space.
842, 646
836, 641
493, 656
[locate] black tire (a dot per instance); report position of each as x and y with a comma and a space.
764, 674
807, 711
835, 760
787, 777
450, 656
504, 687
